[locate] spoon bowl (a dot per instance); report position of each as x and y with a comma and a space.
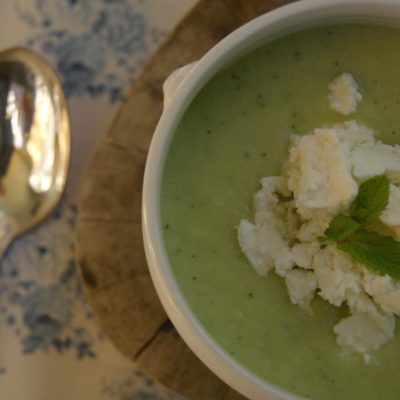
35, 142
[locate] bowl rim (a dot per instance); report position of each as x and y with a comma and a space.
281, 21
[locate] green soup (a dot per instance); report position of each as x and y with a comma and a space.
235, 132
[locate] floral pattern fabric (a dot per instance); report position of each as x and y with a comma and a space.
50, 345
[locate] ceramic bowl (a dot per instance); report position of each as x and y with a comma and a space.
180, 89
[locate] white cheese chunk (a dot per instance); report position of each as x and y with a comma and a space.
361, 333
301, 287
352, 135
315, 226
391, 215
265, 242
384, 290
318, 173
372, 160
344, 94
337, 275
259, 257
362, 303
303, 253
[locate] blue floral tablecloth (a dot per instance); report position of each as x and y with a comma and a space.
50, 345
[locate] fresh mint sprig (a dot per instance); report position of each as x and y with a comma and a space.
377, 252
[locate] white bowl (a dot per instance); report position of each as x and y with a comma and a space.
180, 89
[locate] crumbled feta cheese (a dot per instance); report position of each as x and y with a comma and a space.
389, 301
301, 287
351, 136
384, 291
269, 223
391, 215
318, 174
344, 94
360, 333
315, 226
371, 160
302, 254
259, 257
336, 275
363, 304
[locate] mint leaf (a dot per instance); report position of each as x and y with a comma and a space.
371, 200
341, 227
377, 252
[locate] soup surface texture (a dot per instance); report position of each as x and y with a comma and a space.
235, 132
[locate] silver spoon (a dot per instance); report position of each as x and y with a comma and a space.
35, 142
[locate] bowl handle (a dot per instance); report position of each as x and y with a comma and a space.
174, 80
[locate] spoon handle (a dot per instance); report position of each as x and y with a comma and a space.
7, 232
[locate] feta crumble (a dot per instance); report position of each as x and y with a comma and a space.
310, 176
344, 94
319, 180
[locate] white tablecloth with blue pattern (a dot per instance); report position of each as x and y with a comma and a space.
50, 346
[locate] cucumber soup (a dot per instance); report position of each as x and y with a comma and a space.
237, 131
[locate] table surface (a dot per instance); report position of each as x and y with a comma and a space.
51, 347
111, 255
